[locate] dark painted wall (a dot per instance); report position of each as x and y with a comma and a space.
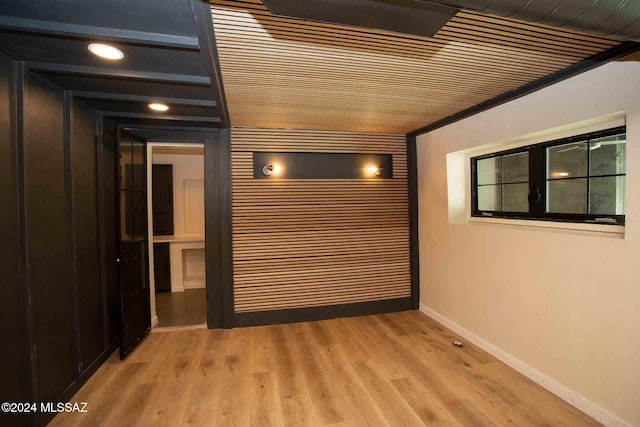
47, 256
84, 197
14, 360
52, 243
107, 176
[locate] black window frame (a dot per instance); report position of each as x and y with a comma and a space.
537, 196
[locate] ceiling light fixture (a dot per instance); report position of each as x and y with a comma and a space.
157, 106
106, 51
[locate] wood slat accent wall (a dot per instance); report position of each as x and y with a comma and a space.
287, 73
315, 242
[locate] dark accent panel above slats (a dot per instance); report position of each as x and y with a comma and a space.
270, 165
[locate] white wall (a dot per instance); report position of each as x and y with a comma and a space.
188, 191
564, 305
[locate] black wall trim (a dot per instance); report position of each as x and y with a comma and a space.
50, 67
71, 242
29, 311
202, 14
219, 267
595, 61
321, 313
201, 119
143, 98
90, 33
414, 247
101, 228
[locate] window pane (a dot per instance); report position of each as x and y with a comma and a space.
489, 170
515, 168
608, 155
489, 198
567, 196
567, 160
515, 197
606, 195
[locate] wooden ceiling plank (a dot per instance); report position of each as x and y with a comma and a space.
281, 72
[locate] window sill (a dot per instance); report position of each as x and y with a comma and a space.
597, 229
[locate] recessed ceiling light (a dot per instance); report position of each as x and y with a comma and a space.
105, 51
157, 106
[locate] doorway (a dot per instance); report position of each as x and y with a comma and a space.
177, 267
133, 301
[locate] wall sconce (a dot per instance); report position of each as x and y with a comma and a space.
272, 169
373, 170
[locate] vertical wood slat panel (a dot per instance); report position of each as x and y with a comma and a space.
314, 242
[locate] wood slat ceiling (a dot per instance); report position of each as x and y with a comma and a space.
294, 74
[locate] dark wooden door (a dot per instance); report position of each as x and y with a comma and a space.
133, 259
162, 195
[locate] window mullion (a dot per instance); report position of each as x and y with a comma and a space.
588, 177
536, 182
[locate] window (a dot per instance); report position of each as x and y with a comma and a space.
577, 179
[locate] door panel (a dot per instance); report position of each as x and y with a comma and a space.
162, 177
134, 282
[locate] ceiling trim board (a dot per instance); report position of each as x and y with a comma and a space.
51, 67
622, 50
141, 98
187, 130
152, 116
88, 32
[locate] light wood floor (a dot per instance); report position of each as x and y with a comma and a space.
398, 369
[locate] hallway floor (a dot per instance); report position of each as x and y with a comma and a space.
181, 308
397, 369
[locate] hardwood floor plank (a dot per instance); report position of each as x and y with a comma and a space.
134, 404
207, 382
348, 386
231, 407
265, 403
395, 409
469, 416
295, 401
323, 397
392, 369
424, 404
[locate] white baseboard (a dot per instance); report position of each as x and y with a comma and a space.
195, 284
570, 396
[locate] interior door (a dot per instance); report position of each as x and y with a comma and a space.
133, 259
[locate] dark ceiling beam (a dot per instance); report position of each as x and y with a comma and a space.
202, 15
152, 116
141, 98
101, 33
49, 67
616, 52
